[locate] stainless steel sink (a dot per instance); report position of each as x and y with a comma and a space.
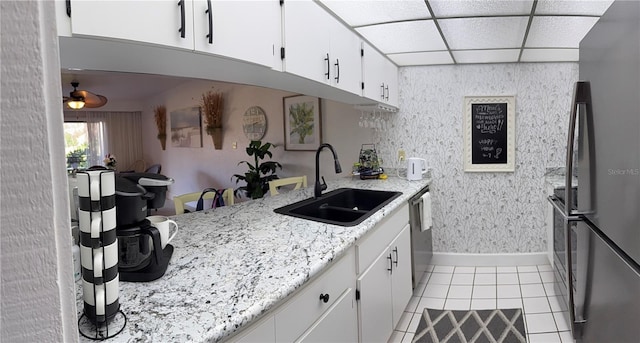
343, 206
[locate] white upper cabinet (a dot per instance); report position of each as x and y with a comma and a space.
244, 30
319, 47
167, 23
306, 40
345, 58
380, 77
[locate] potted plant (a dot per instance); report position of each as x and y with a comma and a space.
212, 106
259, 174
161, 123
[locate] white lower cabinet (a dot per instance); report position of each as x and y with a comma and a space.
374, 305
303, 309
338, 324
264, 332
361, 297
385, 290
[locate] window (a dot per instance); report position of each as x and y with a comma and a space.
84, 144
76, 145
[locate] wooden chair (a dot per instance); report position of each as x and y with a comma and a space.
298, 181
180, 200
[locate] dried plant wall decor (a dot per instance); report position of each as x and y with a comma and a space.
161, 123
212, 108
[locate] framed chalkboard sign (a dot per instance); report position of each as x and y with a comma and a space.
489, 134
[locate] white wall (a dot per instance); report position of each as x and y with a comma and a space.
36, 273
196, 168
484, 212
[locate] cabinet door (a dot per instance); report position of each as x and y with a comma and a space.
154, 22
401, 274
391, 83
304, 308
373, 64
307, 40
375, 306
263, 332
346, 72
245, 30
338, 324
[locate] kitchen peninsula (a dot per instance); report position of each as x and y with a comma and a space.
235, 264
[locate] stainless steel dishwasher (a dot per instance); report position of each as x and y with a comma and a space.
421, 241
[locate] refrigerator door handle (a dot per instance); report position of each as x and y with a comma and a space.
561, 208
581, 96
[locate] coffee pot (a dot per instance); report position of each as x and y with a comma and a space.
416, 168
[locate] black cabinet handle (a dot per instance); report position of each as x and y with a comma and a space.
324, 298
337, 64
382, 91
386, 88
328, 67
68, 2
182, 23
395, 250
390, 263
210, 12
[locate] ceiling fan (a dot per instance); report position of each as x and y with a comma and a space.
78, 99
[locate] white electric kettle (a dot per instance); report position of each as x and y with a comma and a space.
416, 167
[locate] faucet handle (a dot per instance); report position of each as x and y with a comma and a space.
323, 185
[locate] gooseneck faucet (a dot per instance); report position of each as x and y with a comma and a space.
319, 187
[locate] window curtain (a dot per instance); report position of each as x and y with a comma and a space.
115, 133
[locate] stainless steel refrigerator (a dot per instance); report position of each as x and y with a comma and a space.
601, 252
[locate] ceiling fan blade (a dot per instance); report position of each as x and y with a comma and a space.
91, 100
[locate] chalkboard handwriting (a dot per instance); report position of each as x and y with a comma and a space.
489, 118
487, 146
487, 141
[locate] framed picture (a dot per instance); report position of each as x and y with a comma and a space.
186, 128
489, 134
302, 127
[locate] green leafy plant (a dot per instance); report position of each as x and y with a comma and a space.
301, 120
77, 158
259, 174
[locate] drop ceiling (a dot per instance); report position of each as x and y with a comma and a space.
433, 32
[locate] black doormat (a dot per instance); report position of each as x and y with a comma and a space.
447, 326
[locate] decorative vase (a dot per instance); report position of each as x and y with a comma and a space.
163, 141
216, 136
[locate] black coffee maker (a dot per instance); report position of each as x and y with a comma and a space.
141, 257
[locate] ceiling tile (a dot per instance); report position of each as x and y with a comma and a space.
404, 37
550, 55
359, 13
421, 58
484, 33
487, 56
594, 7
467, 8
558, 32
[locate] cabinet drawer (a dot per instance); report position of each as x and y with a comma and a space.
306, 307
338, 324
370, 246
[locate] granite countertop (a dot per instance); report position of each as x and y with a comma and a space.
232, 264
556, 178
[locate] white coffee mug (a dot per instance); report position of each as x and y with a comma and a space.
94, 183
163, 225
98, 298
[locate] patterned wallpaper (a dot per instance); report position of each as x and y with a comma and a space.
484, 212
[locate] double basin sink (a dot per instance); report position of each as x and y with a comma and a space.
343, 206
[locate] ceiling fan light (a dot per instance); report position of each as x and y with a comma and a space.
75, 104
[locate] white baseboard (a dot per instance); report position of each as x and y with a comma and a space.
486, 260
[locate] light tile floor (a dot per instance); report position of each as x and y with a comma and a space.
464, 288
